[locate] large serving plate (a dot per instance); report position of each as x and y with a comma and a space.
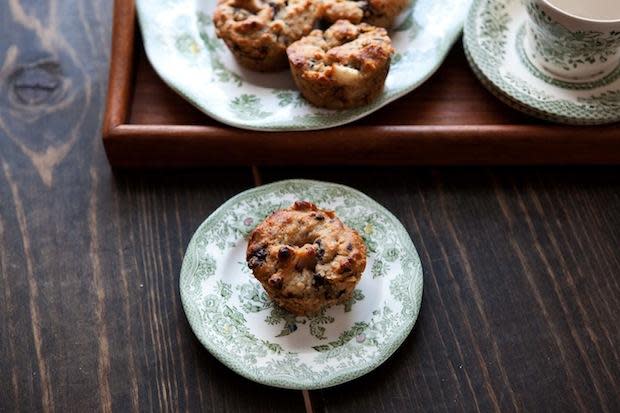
238, 323
180, 42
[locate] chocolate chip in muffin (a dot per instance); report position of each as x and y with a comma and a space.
257, 257
318, 280
320, 252
284, 253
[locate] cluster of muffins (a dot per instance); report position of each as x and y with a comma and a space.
306, 258
342, 67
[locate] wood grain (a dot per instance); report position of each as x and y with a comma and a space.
520, 290
90, 315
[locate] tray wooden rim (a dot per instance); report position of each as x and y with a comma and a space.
131, 145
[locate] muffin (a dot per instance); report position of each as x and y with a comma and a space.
306, 258
257, 32
343, 67
380, 13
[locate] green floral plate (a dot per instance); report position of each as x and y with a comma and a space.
237, 322
180, 42
494, 43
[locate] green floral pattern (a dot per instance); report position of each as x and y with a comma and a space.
182, 46
377, 269
357, 329
610, 99
493, 30
214, 47
491, 39
358, 295
254, 299
248, 107
290, 97
237, 322
525, 60
566, 49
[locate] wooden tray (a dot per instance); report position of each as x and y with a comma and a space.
451, 119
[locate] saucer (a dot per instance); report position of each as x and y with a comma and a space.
240, 325
494, 39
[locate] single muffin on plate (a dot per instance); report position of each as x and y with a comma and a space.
306, 258
343, 67
257, 32
375, 12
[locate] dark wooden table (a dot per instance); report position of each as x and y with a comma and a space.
522, 266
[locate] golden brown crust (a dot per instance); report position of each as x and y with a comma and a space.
343, 67
306, 258
257, 32
380, 13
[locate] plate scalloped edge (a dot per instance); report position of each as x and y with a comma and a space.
385, 331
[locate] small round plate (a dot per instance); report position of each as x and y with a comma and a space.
494, 44
182, 46
237, 322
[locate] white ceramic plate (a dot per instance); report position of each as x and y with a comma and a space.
181, 44
236, 321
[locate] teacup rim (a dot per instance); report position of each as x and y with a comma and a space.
581, 18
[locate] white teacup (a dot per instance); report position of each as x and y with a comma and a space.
574, 40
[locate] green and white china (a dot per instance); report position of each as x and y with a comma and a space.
181, 44
236, 321
495, 39
569, 47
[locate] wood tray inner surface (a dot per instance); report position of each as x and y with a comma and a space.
449, 120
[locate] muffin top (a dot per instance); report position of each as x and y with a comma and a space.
376, 12
353, 11
276, 21
306, 252
345, 52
